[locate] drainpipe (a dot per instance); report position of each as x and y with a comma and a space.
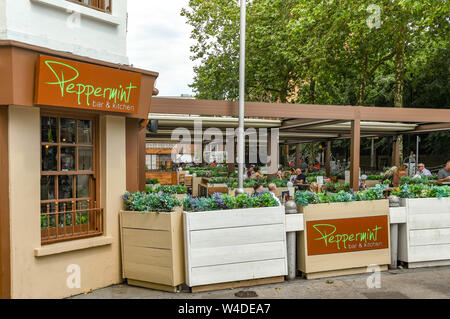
291, 242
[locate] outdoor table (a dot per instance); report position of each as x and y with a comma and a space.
302, 187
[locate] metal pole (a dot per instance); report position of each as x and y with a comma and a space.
241, 101
291, 243
394, 246
417, 151
372, 154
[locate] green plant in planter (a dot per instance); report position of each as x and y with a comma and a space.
304, 198
144, 202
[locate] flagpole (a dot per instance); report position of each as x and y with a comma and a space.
241, 136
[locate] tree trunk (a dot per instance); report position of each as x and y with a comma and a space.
312, 91
399, 63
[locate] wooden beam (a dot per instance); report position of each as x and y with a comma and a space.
328, 159
307, 111
5, 244
355, 154
309, 124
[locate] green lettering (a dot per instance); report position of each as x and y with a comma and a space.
61, 79
324, 232
97, 92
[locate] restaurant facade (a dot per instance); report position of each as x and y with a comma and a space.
72, 141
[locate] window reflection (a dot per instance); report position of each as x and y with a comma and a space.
67, 131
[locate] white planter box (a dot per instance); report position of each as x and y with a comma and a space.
425, 238
234, 245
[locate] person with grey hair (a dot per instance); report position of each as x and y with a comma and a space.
273, 191
422, 171
444, 174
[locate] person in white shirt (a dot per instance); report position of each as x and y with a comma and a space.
273, 191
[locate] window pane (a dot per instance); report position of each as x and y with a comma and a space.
85, 159
84, 132
48, 129
49, 158
47, 187
83, 187
67, 131
65, 187
67, 159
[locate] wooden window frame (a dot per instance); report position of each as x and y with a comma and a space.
53, 235
98, 5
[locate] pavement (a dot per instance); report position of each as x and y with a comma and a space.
421, 283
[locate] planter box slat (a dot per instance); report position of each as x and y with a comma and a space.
224, 237
155, 274
152, 247
429, 237
234, 246
235, 218
237, 272
149, 256
429, 221
236, 254
152, 222
429, 253
147, 238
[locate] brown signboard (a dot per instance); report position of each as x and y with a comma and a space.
347, 235
67, 83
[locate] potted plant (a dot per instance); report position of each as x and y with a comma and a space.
344, 232
151, 227
234, 239
425, 238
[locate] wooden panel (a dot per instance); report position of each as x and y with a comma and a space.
294, 222
152, 221
397, 215
429, 237
148, 256
215, 238
5, 250
144, 272
428, 205
236, 218
165, 178
238, 252
429, 221
239, 271
235, 254
346, 210
147, 238
429, 253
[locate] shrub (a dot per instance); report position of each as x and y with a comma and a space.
152, 181
422, 191
144, 202
224, 201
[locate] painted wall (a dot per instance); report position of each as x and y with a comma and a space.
69, 27
46, 277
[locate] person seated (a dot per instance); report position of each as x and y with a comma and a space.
281, 173
315, 187
257, 189
300, 178
398, 174
363, 183
250, 171
256, 173
422, 171
444, 174
273, 192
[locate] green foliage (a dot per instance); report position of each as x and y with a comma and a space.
418, 180
306, 198
168, 189
152, 181
224, 201
336, 187
422, 191
144, 202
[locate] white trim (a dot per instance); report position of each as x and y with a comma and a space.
85, 11
69, 246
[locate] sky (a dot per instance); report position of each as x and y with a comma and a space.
159, 40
